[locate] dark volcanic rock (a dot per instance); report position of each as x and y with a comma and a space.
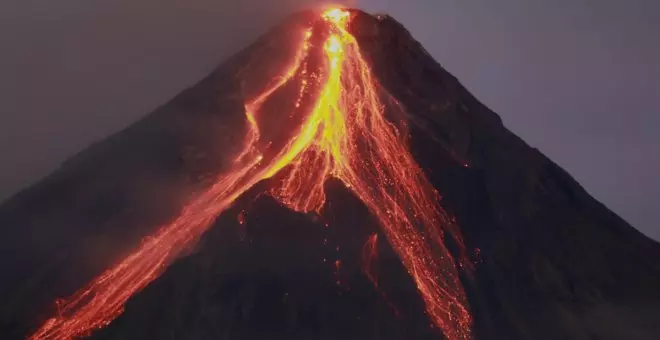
281, 275
551, 262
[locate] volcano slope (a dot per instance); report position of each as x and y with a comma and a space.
538, 257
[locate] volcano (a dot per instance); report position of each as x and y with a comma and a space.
331, 181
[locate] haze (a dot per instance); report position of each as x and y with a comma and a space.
577, 79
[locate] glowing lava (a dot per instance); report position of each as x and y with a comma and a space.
369, 257
345, 136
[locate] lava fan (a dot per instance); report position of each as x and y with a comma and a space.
331, 181
345, 136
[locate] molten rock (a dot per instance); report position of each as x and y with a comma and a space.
295, 193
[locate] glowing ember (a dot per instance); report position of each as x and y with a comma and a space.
241, 217
345, 136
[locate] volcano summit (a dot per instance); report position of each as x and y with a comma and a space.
331, 181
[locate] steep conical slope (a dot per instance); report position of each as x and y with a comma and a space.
549, 261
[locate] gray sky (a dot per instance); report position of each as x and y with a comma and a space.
578, 79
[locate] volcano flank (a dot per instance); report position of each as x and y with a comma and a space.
331, 181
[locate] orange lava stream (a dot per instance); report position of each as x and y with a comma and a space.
103, 299
346, 136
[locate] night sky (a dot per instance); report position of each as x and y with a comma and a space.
578, 79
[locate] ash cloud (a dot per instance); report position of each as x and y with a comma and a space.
74, 72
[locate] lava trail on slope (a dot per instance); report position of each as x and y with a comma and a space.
344, 135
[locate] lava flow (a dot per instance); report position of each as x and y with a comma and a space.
344, 136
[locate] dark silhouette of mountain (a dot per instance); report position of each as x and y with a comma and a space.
551, 262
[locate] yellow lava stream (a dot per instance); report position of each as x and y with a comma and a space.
345, 136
